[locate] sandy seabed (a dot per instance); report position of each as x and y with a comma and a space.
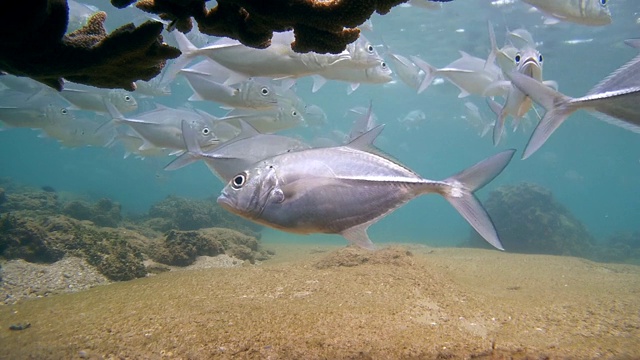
400, 303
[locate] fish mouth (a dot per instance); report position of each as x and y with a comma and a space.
226, 203
531, 67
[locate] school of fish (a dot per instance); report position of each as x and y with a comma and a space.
335, 183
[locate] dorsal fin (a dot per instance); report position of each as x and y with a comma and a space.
365, 141
246, 130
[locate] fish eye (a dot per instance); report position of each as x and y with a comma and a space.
540, 58
384, 65
238, 181
603, 2
264, 91
370, 48
64, 111
206, 131
127, 98
517, 58
294, 113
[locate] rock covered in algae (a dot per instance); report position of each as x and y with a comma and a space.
530, 220
181, 248
48, 238
104, 212
176, 213
619, 247
37, 201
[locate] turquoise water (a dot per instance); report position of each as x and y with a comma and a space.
591, 167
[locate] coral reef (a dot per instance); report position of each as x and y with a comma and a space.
529, 220
186, 214
320, 26
36, 46
103, 213
180, 248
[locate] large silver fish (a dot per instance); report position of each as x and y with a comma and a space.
345, 189
585, 12
617, 97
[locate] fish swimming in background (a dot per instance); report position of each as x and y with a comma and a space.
528, 61
284, 116
345, 189
585, 12
470, 74
248, 94
233, 156
92, 98
160, 128
276, 61
378, 74
616, 98
413, 120
407, 71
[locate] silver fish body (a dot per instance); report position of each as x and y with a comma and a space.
227, 160
345, 189
249, 94
616, 99
470, 74
528, 61
585, 12
276, 61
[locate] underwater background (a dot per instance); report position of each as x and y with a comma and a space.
590, 167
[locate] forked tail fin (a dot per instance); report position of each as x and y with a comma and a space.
462, 186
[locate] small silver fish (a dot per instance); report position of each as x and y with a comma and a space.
165, 133
407, 71
470, 74
276, 61
528, 61
345, 189
585, 12
249, 94
91, 98
225, 161
413, 120
617, 97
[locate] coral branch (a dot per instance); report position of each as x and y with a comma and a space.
40, 49
319, 25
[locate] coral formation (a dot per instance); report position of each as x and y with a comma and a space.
529, 220
37, 47
320, 26
103, 213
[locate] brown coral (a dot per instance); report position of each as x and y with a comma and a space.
320, 26
40, 49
